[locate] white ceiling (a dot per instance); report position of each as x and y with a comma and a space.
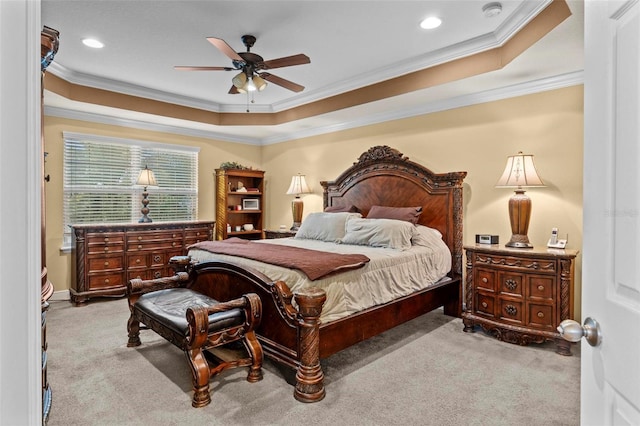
351, 44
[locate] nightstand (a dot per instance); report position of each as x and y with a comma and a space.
269, 235
519, 295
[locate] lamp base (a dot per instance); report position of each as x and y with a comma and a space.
296, 211
517, 243
145, 219
519, 214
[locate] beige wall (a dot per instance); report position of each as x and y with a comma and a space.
212, 153
475, 139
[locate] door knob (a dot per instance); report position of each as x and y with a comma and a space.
572, 331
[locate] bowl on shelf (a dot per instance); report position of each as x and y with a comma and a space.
248, 227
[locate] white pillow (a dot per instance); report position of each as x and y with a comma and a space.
325, 226
425, 236
388, 233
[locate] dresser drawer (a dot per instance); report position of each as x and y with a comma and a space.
148, 273
104, 263
192, 236
153, 245
106, 280
98, 238
153, 237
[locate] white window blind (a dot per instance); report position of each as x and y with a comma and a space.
100, 176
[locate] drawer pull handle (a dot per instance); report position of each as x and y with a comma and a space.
485, 280
106, 263
140, 238
157, 259
138, 261
173, 244
511, 310
106, 249
157, 274
484, 304
197, 234
173, 235
139, 246
106, 280
511, 284
106, 239
540, 315
540, 287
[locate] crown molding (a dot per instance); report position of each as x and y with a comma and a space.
528, 88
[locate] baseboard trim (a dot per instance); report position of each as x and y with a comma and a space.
61, 295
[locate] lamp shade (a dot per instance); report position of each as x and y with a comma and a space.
146, 178
519, 172
298, 186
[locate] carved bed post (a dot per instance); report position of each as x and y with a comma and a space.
309, 375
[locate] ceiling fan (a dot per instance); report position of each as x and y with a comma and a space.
252, 67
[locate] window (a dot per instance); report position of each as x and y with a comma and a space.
100, 176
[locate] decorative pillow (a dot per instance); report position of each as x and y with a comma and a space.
387, 233
425, 236
325, 226
408, 214
340, 209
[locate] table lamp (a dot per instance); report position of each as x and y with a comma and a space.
519, 172
298, 186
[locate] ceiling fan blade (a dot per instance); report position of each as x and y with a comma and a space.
188, 68
287, 61
282, 82
225, 48
233, 90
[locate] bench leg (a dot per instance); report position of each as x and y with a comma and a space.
133, 327
200, 375
255, 351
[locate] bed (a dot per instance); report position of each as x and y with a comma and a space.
294, 330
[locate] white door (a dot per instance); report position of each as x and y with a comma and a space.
610, 386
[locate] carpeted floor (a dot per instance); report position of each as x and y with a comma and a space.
425, 372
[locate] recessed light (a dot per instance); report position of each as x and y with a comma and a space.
492, 9
430, 23
91, 42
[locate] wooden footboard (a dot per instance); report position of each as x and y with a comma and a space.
288, 335
291, 333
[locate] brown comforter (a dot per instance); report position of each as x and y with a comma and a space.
315, 264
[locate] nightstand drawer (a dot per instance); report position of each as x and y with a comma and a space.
511, 284
485, 304
485, 279
541, 316
511, 311
541, 287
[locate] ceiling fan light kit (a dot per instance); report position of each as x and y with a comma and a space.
252, 66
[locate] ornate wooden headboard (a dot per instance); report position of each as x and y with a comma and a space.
383, 176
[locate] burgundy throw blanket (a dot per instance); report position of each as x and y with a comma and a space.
315, 264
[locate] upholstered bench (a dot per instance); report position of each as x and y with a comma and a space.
196, 324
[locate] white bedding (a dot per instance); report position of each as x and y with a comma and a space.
390, 273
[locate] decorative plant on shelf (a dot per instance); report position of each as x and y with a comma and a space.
233, 165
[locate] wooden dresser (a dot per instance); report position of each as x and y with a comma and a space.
519, 295
105, 257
